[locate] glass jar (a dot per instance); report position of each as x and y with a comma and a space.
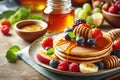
35, 5
59, 14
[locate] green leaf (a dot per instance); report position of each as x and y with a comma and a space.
8, 13
15, 48
11, 54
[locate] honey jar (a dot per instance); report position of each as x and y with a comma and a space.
35, 5
59, 14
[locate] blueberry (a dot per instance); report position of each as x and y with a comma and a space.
53, 63
116, 53
68, 30
66, 36
100, 64
69, 36
80, 40
91, 42
49, 50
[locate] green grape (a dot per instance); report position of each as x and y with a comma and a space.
87, 7
77, 10
82, 15
89, 20
96, 10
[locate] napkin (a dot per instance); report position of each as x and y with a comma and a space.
55, 76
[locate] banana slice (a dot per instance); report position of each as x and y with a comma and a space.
88, 68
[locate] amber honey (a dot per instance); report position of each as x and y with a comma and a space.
58, 15
57, 22
35, 5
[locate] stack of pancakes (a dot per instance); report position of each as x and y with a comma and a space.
71, 52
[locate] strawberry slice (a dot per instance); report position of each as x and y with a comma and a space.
47, 42
84, 25
116, 44
96, 33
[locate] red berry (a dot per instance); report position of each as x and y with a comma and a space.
64, 66
116, 44
47, 42
5, 22
84, 25
74, 67
96, 33
113, 9
117, 3
5, 29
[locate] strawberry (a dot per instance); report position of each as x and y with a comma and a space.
116, 44
96, 33
85, 25
5, 29
47, 42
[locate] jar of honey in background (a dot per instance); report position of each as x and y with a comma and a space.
35, 5
59, 14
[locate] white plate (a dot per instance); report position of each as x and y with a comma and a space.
33, 51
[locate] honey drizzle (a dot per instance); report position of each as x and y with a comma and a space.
70, 45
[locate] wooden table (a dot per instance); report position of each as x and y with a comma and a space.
19, 70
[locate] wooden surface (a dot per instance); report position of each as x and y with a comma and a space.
19, 70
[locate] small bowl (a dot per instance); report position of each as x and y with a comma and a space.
112, 19
31, 35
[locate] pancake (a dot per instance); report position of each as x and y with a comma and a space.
73, 57
101, 46
71, 52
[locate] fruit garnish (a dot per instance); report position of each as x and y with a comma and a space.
43, 57
54, 63
63, 65
87, 7
88, 68
80, 40
77, 10
113, 9
5, 22
91, 42
49, 50
12, 53
96, 33
69, 36
117, 3
48, 41
116, 44
116, 53
82, 15
106, 6
74, 67
89, 20
100, 64
78, 22
97, 19
96, 10
5, 29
